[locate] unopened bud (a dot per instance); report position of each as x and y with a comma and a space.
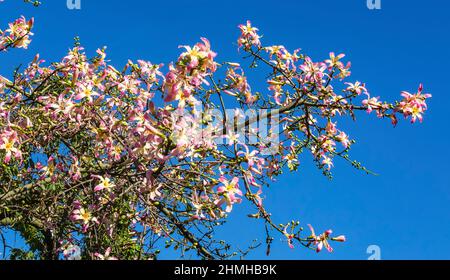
340, 238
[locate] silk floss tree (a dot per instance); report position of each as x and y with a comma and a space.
105, 163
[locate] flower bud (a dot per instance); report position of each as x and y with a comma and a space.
340, 238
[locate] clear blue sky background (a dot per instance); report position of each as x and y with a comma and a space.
405, 210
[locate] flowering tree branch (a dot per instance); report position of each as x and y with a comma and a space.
99, 163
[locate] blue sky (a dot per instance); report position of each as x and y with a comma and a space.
406, 209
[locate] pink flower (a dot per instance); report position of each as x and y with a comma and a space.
290, 237
327, 161
331, 128
233, 138
275, 50
250, 157
343, 138
82, 215
199, 56
62, 105
240, 84
414, 105
371, 103
249, 36
230, 191
334, 60
321, 240
176, 87
85, 91
7, 143
314, 72
357, 87
105, 184
276, 87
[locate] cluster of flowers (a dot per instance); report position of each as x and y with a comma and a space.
193, 66
249, 36
17, 35
414, 105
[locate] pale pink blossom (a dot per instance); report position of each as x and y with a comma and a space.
230, 191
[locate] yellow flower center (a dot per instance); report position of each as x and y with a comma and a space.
86, 216
106, 183
87, 92
9, 146
230, 187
